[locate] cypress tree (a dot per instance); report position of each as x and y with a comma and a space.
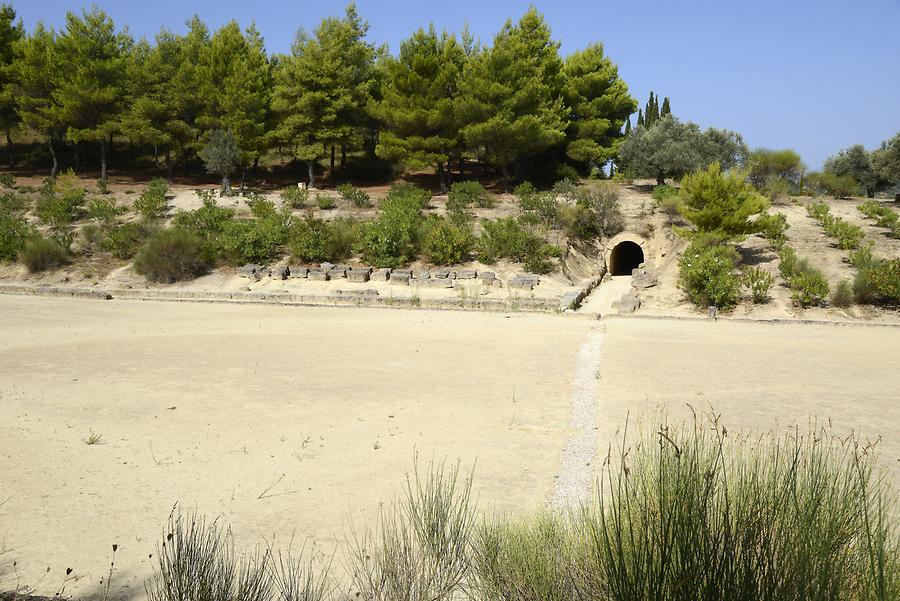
666, 107
627, 126
640, 121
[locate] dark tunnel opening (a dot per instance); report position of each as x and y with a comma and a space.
625, 257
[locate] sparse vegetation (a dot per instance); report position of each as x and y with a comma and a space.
151, 204
848, 235
758, 281
324, 201
508, 238
356, 197
883, 216
809, 287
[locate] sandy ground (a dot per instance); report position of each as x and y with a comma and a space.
318, 411
756, 375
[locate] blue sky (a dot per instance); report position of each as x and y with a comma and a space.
813, 75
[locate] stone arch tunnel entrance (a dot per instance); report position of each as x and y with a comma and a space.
625, 257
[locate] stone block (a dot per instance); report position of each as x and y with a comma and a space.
529, 276
327, 266
466, 274
423, 275
441, 274
249, 270
317, 275
629, 304
297, 271
487, 275
644, 278
358, 275
402, 272
337, 274
400, 278
569, 300
380, 275
279, 273
521, 283
364, 268
438, 283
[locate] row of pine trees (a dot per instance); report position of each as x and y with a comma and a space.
441, 100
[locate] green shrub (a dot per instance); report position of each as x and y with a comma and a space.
787, 262
261, 207
885, 278
207, 222
171, 255
847, 234
759, 282
818, 211
842, 186
842, 296
123, 240
809, 288
60, 203
92, 234
295, 197
713, 200
883, 215
41, 254
412, 193
14, 234
565, 188
11, 202
390, 240
706, 274
774, 228
663, 193
777, 188
104, 210
544, 205
151, 204
356, 197
257, 240
324, 202
448, 244
7, 180
308, 240
343, 236
469, 193
506, 238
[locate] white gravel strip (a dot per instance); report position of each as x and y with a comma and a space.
575, 478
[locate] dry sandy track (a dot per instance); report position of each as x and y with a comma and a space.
338, 400
257, 392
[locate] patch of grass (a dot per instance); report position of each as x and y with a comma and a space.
93, 439
356, 197
324, 202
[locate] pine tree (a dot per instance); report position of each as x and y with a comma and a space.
600, 104
511, 94
36, 74
92, 84
420, 91
323, 88
666, 108
11, 34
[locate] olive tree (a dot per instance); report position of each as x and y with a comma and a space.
221, 156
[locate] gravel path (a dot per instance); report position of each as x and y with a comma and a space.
573, 483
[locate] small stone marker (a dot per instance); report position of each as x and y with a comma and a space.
712, 313
400, 278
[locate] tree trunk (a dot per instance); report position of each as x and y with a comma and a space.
155, 155
442, 177
462, 162
226, 185
9, 147
55, 166
343, 156
75, 157
243, 179
332, 161
103, 160
505, 171
168, 165
310, 165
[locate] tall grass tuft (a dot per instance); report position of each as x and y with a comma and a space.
420, 550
